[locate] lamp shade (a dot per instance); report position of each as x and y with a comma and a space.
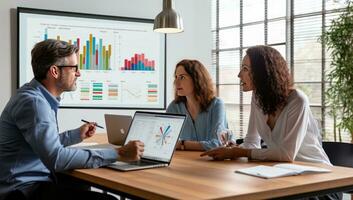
168, 21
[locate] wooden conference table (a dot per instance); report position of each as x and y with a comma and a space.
191, 177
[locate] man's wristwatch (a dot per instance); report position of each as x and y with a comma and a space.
182, 144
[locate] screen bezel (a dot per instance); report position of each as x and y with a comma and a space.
93, 16
158, 114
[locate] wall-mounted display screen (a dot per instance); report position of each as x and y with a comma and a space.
121, 60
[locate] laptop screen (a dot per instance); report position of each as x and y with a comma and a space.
158, 131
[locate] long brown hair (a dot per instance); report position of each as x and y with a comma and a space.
271, 78
203, 85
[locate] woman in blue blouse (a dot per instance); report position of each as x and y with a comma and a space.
195, 97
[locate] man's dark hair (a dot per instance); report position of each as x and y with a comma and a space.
47, 53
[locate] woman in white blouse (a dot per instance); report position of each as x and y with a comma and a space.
280, 114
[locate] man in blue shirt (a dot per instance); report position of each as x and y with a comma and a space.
31, 148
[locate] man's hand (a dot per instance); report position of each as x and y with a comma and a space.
132, 151
87, 130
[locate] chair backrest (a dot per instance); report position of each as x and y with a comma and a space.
340, 154
240, 141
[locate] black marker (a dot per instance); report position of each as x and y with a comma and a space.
94, 124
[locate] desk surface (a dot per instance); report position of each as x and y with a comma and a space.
191, 177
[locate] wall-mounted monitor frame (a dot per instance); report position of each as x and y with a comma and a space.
122, 61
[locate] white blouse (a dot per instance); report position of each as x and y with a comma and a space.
295, 136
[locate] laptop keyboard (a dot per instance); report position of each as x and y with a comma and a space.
142, 163
134, 163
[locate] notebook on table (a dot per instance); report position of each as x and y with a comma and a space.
280, 170
159, 132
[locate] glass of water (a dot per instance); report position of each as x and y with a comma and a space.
226, 137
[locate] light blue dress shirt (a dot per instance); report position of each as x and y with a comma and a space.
31, 146
206, 125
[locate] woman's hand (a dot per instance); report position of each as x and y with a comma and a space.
223, 153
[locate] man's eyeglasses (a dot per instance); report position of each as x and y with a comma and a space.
71, 66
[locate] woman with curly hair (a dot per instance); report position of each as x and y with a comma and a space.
195, 97
280, 114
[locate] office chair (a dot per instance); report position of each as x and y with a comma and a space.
239, 141
340, 154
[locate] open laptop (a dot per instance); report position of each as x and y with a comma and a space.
159, 132
117, 127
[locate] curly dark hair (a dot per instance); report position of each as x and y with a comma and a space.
271, 78
203, 85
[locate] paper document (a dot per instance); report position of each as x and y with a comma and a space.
280, 170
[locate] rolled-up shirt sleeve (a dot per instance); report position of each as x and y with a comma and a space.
210, 144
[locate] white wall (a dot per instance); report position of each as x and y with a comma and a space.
194, 42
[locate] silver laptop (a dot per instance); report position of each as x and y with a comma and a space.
159, 132
117, 127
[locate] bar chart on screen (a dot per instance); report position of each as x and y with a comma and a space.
138, 63
121, 62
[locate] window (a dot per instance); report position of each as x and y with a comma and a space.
293, 27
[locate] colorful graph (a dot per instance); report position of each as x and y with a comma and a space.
112, 91
138, 63
163, 135
97, 91
94, 55
132, 93
152, 93
85, 91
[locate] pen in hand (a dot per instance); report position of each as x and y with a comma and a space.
94, 124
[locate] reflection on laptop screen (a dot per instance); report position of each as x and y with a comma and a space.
159, 133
